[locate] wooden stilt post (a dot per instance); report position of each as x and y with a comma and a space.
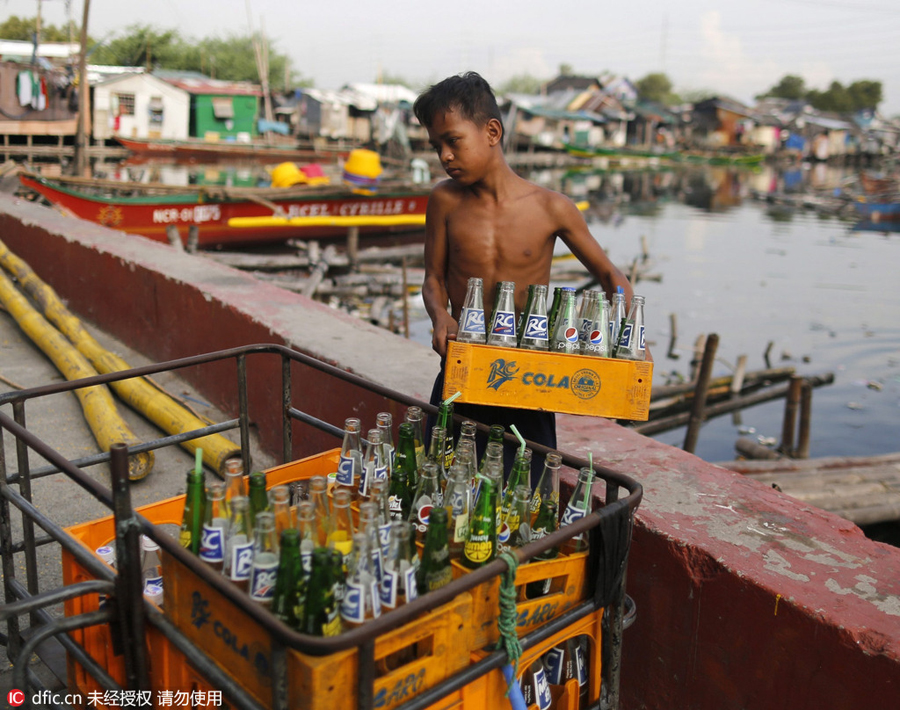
353, 246
699, 404
405, 299
802, 451
174, 237
699, 348
193, 239
791, 403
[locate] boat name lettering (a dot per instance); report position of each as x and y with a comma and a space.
192, 215
362, 208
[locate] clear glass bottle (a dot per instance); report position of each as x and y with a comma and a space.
350, 463
579, 505
503, 322
381, 498
215, 526
318, 496
535, 329
239, 543
436, 451
445, 420
471, 318
235, 483
362, 598
547, 487
596, 335
372, 467
340, 535
458, 501
630, 345
398, 584
368, 526
515, 529
151, 569
565, 334
617, 316
416, 417
309, 538
385, 424
264, 570
280, 505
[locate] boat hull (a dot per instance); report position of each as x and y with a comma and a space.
152, 216
200, 152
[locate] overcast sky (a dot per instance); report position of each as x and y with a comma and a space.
733, 48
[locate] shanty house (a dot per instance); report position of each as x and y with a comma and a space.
219, 109
139, 105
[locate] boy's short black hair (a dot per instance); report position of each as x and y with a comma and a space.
467, 93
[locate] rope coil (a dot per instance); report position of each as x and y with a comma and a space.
509, 637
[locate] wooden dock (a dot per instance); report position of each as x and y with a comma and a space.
864, 489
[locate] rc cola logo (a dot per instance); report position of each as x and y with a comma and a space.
212, 544
262, 583
572, 514
388, 593
536, 327
472, 320
571, 334
627, 330
241, 561
641, 341
553, 663
380, 472
352, 605
580, 667
345, 471
409, 583
501, 372
596, 337
504, 323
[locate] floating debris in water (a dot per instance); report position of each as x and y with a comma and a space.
874, 385
766, 440
747, 430
856, 406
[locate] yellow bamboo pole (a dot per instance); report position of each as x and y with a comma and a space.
97, 403
396, 220
138, 393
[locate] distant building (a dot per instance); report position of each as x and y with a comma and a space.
138, 105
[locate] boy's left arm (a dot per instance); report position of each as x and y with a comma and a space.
574, 232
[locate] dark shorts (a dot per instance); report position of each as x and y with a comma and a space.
539, 427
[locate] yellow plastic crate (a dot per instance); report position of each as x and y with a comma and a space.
527, 379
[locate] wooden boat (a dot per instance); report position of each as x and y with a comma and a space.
690, 157
209, 152
149, 210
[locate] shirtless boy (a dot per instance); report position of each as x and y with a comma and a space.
488, 222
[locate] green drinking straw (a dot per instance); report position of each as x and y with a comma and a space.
198, 460
520, 438
590, 484
452, 397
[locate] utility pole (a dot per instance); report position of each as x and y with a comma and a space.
81, 161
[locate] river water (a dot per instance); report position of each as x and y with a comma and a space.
826, 296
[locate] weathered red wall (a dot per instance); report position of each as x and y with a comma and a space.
746, 598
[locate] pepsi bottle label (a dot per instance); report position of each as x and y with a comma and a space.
536, 327
595, 337
471, 320
212, 544
504, 323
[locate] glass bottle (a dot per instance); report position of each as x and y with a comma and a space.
350, 463
435, 570
481, 540
399, 495
586, 312
381, 499
471, 318
362, 599
385, 424
565, 334
239, 543
515, 529
546, 522
458, 501
340, 535
503, 322
493, 459
339, 569
371, 463
306, 528
519, 475
630, 345
445, 420
407, 456
554, 309
151, 569
320, 613
280, 505
289, 595
465, 457
436, 451
535, 331
215, 526
579, 505
416, 417
616, 319
547, 487
535, 689
368, 526
318, 496
398, 584
427, 496
192, 517
467, 432
596, 334
264, 569
235, 483
259, 498
529, 299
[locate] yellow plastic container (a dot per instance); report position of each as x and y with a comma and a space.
527, 379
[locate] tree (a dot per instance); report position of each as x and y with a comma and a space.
143, 46
790, 87
657, 87
521, 84
23, 28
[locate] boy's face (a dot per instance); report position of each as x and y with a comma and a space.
463, 147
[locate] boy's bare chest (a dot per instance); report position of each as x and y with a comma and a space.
508, 232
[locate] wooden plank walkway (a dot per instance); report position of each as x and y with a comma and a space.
863, 489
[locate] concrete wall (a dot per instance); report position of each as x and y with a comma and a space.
746, 599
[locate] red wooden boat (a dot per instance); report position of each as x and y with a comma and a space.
148, 210
209, 152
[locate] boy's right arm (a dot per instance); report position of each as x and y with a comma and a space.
434, 288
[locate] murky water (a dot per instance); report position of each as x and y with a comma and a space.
827, 297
